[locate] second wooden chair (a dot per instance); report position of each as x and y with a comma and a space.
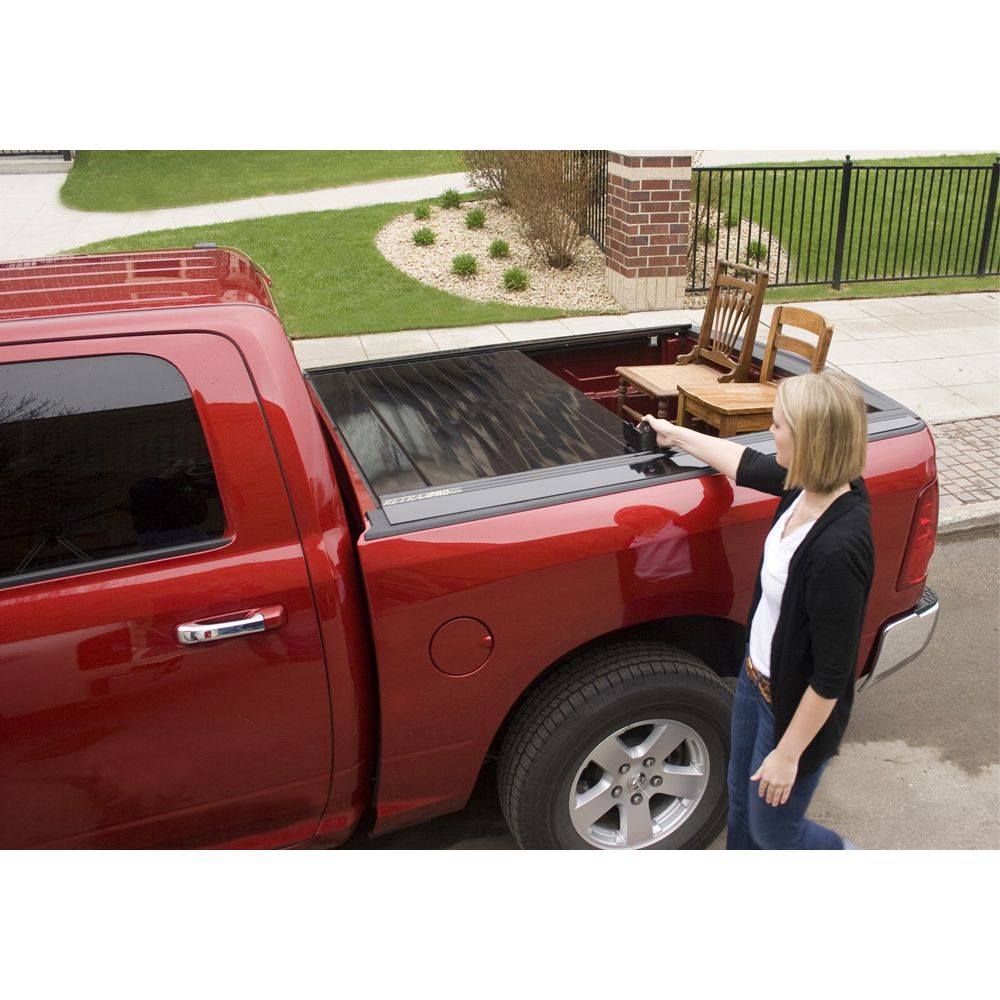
744, 407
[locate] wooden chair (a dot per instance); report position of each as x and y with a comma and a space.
733, 310
738, 409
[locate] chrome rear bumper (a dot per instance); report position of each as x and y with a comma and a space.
904, 639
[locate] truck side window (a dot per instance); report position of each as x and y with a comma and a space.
100, 457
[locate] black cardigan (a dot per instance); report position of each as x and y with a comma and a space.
818, 632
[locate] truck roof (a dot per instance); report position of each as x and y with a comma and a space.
88, 283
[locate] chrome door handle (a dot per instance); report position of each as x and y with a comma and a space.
228, 627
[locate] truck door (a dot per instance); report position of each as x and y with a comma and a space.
161, 670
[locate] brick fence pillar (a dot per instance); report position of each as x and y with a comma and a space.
646, 228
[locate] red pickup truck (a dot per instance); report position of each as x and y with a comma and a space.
242, 606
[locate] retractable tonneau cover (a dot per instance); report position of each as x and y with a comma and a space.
475, 433
456, 434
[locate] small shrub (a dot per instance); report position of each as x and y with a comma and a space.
451, 199
465, 265
516, 280
422, 212
499, 249
732, 220
424, 237
756, 252
475, 219
550, 191
487, 171
706, 234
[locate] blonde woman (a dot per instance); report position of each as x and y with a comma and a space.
796, 685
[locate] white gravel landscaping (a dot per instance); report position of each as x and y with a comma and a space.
578, 287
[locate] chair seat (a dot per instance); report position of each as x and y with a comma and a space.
741, 398
662, 381
733, 409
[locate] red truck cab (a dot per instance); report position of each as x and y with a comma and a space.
243, 607
118, 734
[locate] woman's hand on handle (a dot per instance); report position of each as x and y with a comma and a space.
665, 436
720, 453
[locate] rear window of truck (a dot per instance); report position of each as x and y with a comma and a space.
100, 458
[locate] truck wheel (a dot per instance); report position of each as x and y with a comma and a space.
625, 746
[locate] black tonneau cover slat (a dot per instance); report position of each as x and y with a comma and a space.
438, 425
371, 441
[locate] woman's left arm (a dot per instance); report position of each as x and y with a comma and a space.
779, 768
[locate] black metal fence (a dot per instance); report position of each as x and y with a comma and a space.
594, 163
846, 223
66, 154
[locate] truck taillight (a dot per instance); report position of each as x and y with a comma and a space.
923, 534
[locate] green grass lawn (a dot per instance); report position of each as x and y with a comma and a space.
135, 180
329, 279
880, 289
938, 217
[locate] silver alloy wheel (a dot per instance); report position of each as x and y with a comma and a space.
615, 800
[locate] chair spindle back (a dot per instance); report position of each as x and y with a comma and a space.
732, 311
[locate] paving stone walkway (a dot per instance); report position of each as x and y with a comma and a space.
968, 460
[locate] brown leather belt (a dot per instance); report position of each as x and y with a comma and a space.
759, 681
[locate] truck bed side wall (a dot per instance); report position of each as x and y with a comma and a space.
544, 582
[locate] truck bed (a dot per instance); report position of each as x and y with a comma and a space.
473, 433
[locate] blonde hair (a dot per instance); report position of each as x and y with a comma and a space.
826, 414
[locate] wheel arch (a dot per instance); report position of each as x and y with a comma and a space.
717, 642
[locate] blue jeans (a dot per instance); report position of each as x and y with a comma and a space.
753, 824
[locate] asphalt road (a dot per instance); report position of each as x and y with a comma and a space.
920, 767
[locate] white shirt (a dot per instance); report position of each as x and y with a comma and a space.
778, 554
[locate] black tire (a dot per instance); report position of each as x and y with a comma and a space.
630, 688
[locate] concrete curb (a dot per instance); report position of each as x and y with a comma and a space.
969, 517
